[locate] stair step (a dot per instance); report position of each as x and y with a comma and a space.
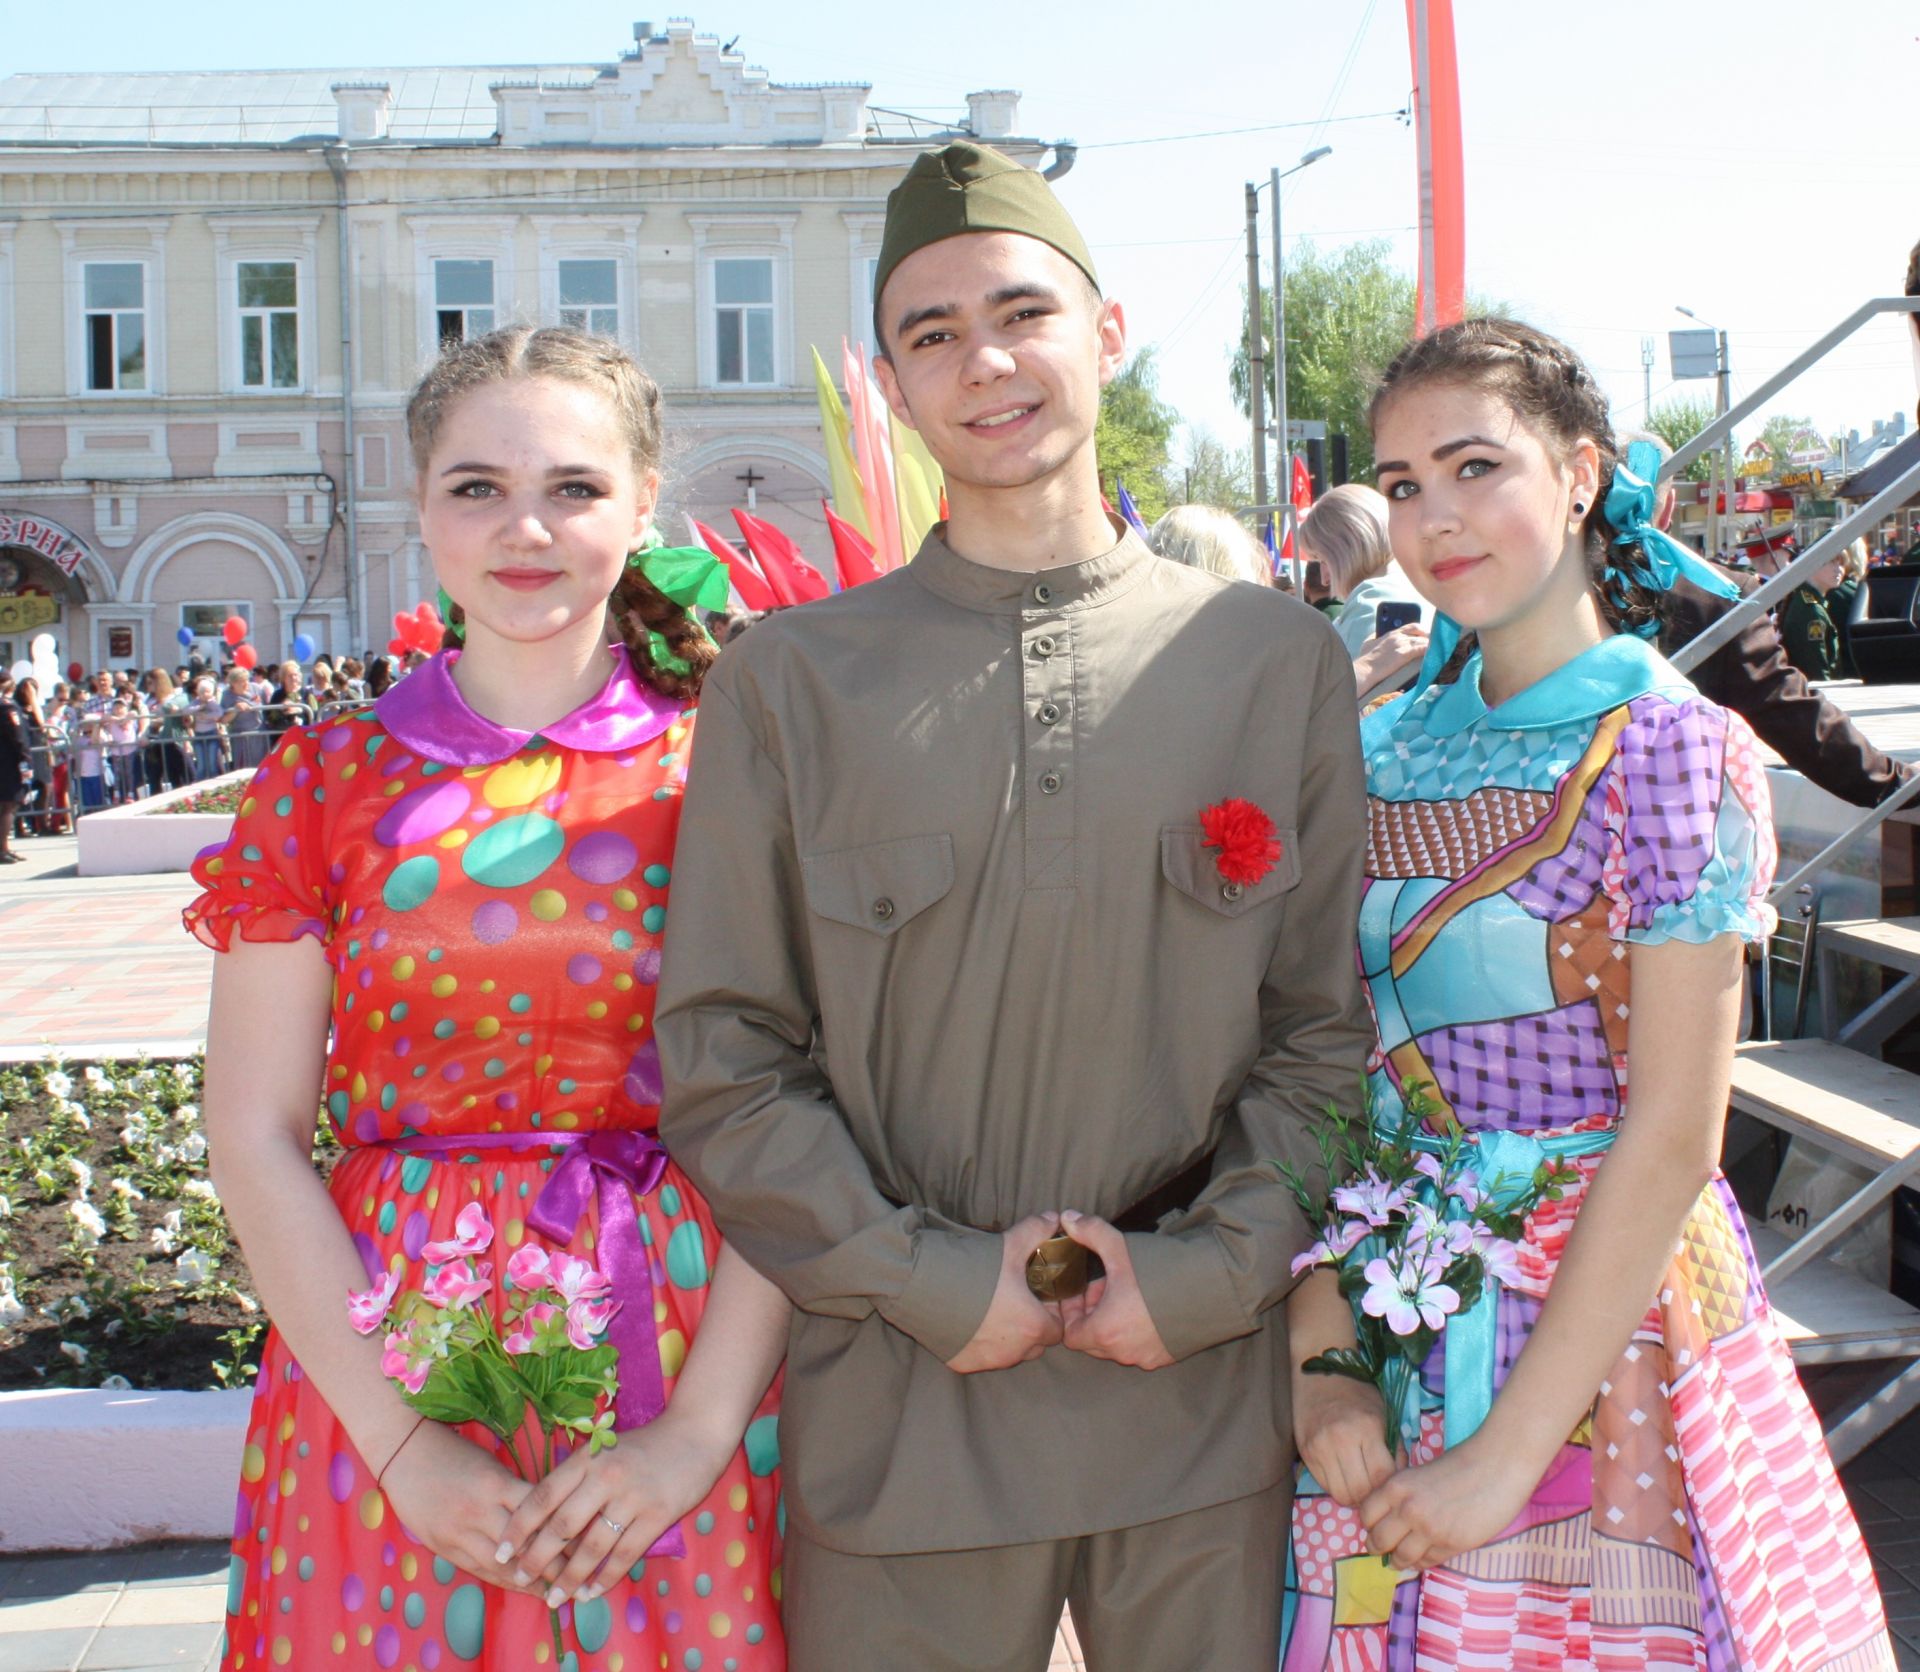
1893, 942
1840, 1099
1826, 1312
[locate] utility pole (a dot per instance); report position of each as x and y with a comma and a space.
1646, 378
1725, 401
1283, 473
1256, 353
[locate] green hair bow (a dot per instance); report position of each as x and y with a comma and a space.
693, 578
690, 575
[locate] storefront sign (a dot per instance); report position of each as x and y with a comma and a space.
59, 546
120, 643
1802, 479
27, 611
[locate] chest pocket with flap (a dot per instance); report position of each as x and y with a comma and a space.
1188, 863
881, 886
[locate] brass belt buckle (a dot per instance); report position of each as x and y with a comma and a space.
1060, 1268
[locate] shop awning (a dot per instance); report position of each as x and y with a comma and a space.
1894, 463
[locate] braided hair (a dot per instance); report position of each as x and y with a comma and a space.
637, 607
1549, 388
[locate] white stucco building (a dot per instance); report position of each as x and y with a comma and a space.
198, 416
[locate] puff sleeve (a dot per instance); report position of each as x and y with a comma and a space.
268, 881
1689, 826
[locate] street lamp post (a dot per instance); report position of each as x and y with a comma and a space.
1284, 487
1723, 397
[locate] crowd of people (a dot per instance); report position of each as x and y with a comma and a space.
112, 736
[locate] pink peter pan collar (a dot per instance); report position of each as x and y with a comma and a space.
425, 711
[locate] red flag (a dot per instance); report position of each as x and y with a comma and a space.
745, 579
1301, 485
780, 560
852, 551
1300, 494
1442, 298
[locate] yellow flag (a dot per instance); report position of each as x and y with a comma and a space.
917, 484
849, 499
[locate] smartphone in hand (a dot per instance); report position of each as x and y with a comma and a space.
1393, 615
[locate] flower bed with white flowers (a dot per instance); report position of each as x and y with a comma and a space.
129, 1335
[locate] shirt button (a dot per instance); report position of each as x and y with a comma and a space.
1231, 891
1049, 783
1043, 647
882, 909
1043, 594
1049, 713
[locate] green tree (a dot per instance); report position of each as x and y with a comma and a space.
1132, 435
1209, 472
1678, 421
1348, 314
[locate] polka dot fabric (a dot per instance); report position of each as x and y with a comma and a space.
495, 935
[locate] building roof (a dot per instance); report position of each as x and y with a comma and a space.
254, 107
473, 104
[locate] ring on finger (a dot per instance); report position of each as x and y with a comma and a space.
618, 1529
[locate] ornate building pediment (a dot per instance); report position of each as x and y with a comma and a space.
681, 88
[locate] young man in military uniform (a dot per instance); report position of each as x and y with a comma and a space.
957, 996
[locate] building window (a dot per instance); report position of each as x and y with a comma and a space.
462, 298
743, 320
590, 297
116, 324
269, 325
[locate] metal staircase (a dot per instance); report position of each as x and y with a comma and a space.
1834, 1092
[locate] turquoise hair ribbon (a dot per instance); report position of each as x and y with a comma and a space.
690, 575
1631, 499
1505, 1163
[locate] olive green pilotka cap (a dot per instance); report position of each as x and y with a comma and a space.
973, 188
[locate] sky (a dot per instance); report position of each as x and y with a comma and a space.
1754, 162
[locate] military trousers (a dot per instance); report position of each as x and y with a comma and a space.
1198, 1592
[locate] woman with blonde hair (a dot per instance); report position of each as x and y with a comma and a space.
1205, 537
1347, 532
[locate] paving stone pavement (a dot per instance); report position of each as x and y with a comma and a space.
157, 1605
98, 964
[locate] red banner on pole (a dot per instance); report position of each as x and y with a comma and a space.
1442, 298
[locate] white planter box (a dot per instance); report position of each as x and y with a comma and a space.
88, 1468
142, 837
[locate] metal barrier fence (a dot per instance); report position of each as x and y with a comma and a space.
83, 768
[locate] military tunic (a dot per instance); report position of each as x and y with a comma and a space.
946, 935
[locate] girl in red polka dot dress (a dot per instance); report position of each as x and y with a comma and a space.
465, 885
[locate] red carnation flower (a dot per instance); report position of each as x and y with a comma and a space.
1244, 835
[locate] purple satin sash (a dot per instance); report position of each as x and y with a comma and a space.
615, 1166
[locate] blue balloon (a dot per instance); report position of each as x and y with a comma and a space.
303, 647
185, 636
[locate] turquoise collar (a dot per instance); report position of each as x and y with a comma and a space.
1595, 682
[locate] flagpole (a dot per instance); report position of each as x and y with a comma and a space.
1423, 131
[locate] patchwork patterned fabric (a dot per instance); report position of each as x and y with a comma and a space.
1448, 839
1550, 1069
1693, 1520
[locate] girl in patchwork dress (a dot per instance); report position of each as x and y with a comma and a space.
467, 884
1567, 847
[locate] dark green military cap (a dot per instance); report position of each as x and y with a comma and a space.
973, 188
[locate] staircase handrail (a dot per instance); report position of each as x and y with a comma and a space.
1718, 430
1837, 538
1907, 793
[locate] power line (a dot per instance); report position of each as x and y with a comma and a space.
1230, 133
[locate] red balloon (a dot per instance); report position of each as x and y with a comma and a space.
75, 673
233, 629
397, 647
246, 656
